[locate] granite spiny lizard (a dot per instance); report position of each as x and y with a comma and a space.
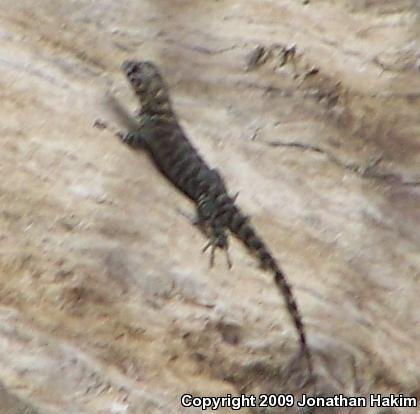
163, 138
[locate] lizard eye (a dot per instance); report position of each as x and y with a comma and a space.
128, 66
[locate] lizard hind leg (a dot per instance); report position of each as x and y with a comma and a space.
209, 223
228, 260
214, 244
223, 243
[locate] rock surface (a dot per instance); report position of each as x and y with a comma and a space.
310, 110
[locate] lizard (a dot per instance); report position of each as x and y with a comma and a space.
158, 131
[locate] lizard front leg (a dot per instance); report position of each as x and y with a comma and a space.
134, 139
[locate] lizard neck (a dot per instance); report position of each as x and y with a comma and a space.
154, 107
155, 101
148, 114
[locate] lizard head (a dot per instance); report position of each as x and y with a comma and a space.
147, 83
140, 73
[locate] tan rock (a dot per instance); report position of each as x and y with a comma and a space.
106, 303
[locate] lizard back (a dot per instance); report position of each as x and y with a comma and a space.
161, 133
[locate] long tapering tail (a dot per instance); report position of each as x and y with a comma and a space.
240, 227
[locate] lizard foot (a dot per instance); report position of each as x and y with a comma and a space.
213, 244
134, 139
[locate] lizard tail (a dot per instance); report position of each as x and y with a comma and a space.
240, 227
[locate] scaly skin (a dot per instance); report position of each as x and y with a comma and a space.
161, 135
